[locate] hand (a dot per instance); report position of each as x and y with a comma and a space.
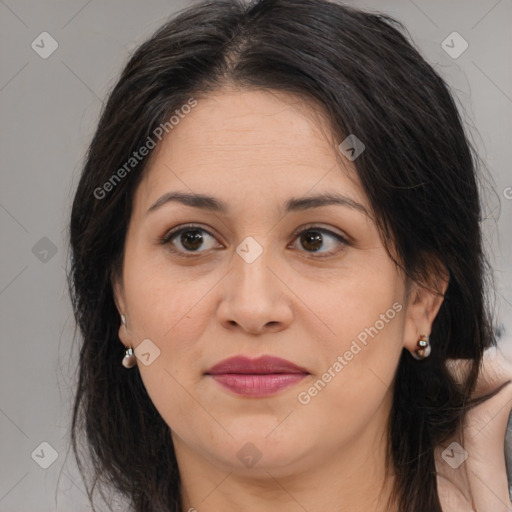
479, 483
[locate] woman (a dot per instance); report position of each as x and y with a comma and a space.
277, 226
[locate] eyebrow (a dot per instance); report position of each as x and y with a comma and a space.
293, 204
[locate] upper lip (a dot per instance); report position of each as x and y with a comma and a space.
261, 365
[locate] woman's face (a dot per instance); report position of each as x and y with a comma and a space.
270, 273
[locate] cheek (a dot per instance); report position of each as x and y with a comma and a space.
354, 386
363, 302
164, 299
171, 310
359, 343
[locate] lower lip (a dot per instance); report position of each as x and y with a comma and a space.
257, 385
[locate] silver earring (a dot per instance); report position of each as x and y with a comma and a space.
129, 359
423, 348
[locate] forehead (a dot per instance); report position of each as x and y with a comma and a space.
250, 142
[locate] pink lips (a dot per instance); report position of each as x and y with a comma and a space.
259, 377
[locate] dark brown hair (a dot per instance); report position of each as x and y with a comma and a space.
418, 171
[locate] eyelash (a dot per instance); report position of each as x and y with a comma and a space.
170, 235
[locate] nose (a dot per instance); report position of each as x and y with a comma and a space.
254, 297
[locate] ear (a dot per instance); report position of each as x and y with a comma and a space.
119, 299
422, 305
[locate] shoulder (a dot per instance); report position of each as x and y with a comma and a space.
471, 468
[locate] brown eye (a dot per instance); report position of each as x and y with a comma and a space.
189, 239
314, 239
311, 240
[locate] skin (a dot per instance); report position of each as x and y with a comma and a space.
254, 150
480, 483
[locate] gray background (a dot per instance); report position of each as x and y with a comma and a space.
49, 108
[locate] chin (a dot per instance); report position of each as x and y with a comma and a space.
262, 457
